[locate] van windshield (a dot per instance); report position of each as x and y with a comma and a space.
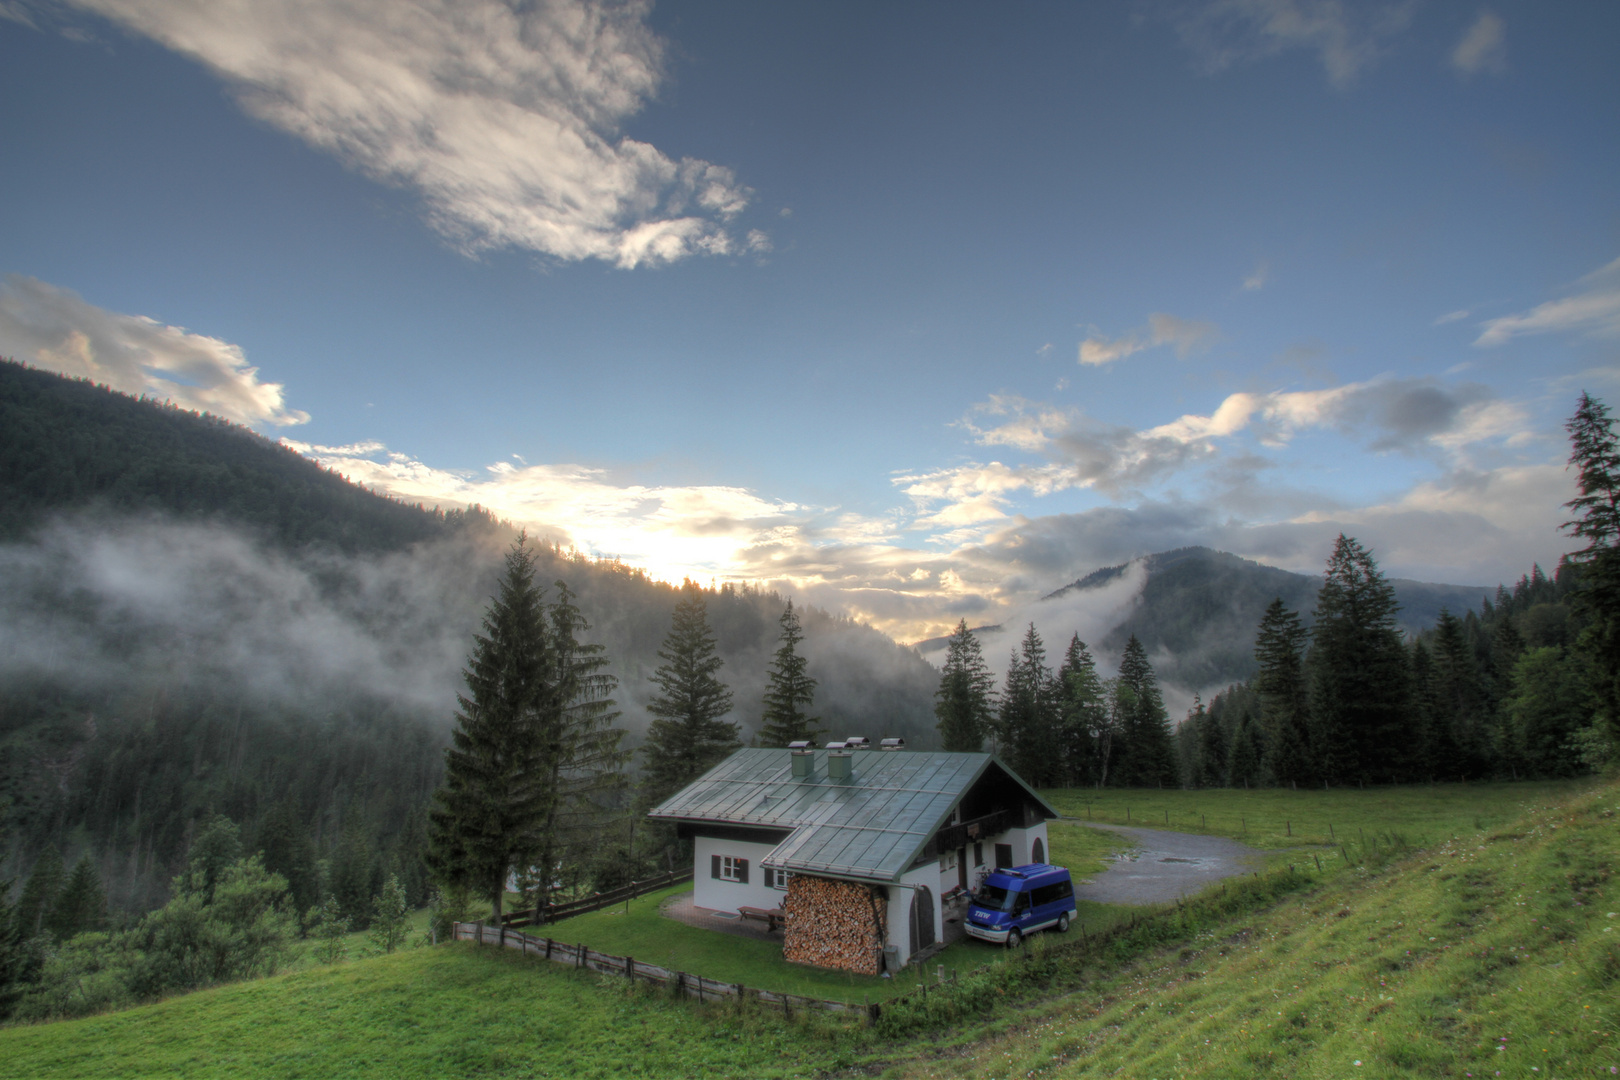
995, 898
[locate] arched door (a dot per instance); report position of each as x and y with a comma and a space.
922, 919
1037, 851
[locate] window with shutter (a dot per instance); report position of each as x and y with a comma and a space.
742, 871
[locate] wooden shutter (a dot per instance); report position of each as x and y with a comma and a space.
714, 866
742, 870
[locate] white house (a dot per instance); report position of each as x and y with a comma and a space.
857, 846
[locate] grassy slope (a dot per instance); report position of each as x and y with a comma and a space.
1508, 936
1417, 968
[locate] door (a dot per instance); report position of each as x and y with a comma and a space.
1003, 856
922, 919
961, 868
1037, 853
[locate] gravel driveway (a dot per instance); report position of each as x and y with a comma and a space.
1165, 866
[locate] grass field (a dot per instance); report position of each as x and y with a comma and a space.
1494, 951
1274, 818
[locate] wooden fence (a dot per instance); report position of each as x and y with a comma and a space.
595, 902
680, 982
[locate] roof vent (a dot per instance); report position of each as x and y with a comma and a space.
839, 745
804, 763
893, 744
802, 744
839, 765
858, 742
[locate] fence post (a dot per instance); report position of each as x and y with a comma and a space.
548, 948
630, 968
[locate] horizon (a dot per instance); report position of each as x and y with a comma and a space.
916, 314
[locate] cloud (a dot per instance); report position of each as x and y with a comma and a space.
55, 329
1347, 37
1257, 280
1185, 335
1595, 312
670, 531
1451, 317
503, 118
1483, 47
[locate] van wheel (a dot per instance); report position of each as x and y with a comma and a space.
1015, 938
1063, 923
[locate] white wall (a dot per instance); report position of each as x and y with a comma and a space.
729, 895
1021, 840
900, 907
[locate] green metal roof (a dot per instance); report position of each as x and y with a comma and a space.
870, 827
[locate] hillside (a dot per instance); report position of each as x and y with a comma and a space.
194, 619
1198, 610
1492, 950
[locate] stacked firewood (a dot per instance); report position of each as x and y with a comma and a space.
835, 924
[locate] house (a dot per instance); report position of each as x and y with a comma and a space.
858, 846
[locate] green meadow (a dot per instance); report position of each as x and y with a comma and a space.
1490, 945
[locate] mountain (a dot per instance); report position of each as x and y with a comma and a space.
197, 620
1198, 609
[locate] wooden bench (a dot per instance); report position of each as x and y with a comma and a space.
773, 918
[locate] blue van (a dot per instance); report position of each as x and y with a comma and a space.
1020, 900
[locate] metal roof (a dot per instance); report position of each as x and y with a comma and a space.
870, 827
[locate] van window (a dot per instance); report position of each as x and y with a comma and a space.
1045, 894
994, 897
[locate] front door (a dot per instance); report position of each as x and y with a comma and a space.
922, 919
961, 868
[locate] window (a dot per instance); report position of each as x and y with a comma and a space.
776, 879
728, 868
978, 853
947, 860
1003, 856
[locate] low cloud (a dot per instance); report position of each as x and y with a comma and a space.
504, 119
1483, 47
55, 329
1185, 335
1347, 37
1594, 311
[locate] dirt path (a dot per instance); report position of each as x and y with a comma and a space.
1165, 866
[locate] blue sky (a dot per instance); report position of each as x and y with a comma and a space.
914, 311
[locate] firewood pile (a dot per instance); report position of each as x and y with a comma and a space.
835, 924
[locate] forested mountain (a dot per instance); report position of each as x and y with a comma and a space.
195, 620
1198, 608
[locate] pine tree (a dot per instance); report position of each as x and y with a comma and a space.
1026, 726
289, 851
1463, 740
1279, 649
390, 916
1082, 714
791, 690
44, 883
1211, 759
81, 906
963, 702
1596, 451
687, 737
1246, 760
583, 748
1143, 744
490, 812
1360, 697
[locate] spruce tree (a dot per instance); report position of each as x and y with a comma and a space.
38, 896
586, 760
1279, 649
1463, 739
1360, 696
1211, 759
1027, 724
687, 736
1082, 714
1595, 450
81, 906
490, 811
1146, 755
963, 702
791, 690
1245, 766
289, 851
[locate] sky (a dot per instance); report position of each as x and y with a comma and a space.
912, 311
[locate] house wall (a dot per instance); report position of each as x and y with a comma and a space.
729, 895
900, 906
1022, 841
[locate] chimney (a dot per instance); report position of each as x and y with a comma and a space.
858, 742
804, 761
840, 765
893, 744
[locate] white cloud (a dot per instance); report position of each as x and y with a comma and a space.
1257, 280
1185, 335
55, 329
1483, 47
1595, 312
1451, 317
503, 118
1347, 36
